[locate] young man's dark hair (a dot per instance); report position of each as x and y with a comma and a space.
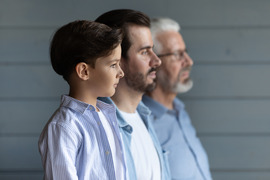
74, 43
122, 18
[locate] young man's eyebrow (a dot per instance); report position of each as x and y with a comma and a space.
145, 47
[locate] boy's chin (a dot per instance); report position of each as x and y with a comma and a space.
111, 93
108, 94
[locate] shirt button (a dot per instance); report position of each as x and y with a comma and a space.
91, 108
129, 129
107, 152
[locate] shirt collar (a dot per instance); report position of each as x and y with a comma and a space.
178, 104
143, 111
75, 104
81, 107
157, 109
121, 122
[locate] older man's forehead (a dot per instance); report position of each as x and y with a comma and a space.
171, 40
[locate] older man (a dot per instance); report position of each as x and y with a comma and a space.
187, 157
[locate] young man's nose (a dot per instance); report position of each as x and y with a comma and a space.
155, 61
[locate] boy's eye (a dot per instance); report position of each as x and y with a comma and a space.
113, 65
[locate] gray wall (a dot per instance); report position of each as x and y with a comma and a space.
229, 41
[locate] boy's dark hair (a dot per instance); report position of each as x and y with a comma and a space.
81, 41
122, 18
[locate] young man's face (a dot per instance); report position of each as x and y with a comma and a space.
141, 63
106, 74
173, 75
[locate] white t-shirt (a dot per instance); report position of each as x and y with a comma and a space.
115, 147
144, 153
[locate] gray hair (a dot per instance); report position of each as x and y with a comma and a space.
159, 25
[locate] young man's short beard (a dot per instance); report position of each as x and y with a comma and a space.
137, 82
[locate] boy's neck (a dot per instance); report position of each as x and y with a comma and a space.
84, 96
126, 98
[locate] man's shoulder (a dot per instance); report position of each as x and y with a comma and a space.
155, 107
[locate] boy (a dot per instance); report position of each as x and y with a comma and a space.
81, 140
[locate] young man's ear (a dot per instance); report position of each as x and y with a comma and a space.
83, 70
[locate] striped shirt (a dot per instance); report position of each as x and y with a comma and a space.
73, 144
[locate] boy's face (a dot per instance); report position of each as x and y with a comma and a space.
140, 67
106, 74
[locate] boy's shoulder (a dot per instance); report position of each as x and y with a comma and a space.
73, 111
64, 119
64, 115
68, 113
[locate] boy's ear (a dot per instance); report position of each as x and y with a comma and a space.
82, 70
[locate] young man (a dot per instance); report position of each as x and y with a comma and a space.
82, 139
187, 157
143, 153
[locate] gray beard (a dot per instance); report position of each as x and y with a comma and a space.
183, 87
175, 87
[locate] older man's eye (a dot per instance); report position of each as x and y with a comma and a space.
181, 54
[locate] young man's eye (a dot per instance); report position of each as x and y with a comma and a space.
144, 52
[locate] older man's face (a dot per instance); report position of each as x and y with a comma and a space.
173, 75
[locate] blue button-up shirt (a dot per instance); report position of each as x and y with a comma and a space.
126, 131
187, 157
73, 144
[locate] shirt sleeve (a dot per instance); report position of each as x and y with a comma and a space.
58, 149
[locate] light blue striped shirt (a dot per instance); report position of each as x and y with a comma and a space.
73, 144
